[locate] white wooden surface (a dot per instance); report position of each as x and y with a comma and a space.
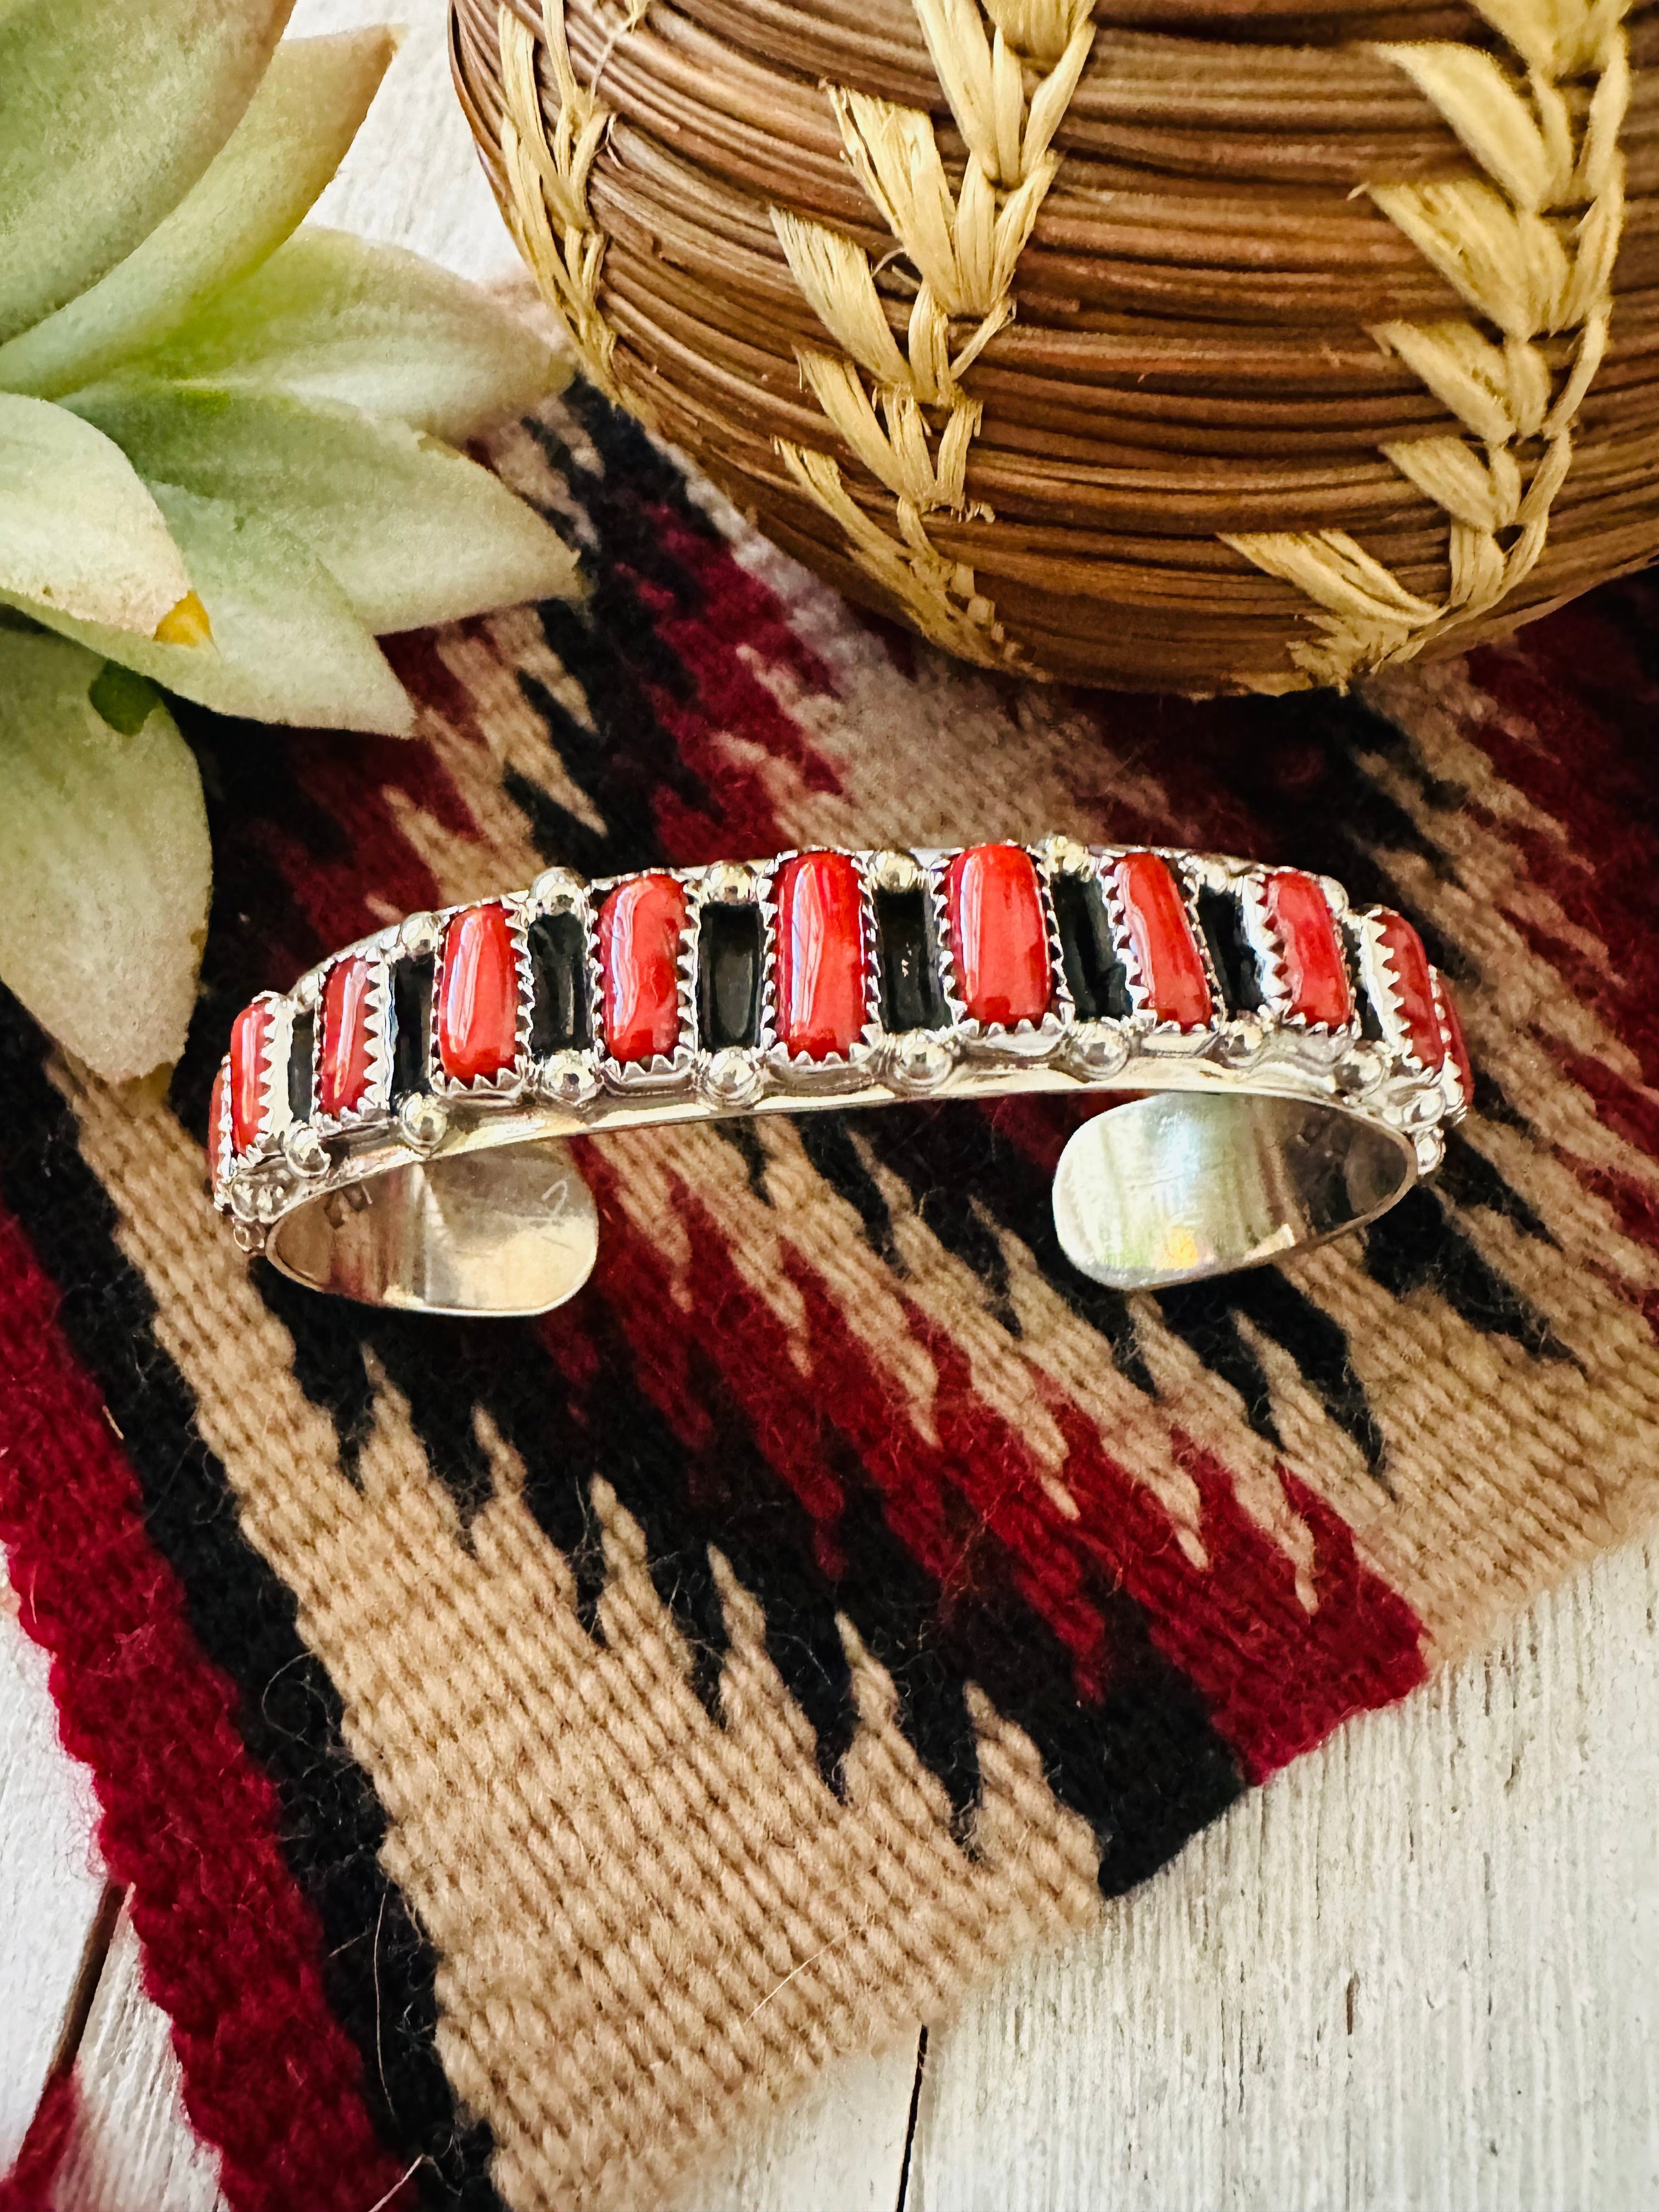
1420, 1969
132, 2145
1417, 1971
51, 1883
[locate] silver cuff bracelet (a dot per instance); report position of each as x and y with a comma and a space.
392, 1127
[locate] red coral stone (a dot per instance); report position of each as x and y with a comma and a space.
639, 927
999, 937
250, 1034
1316, 973
1166, 951
1413, 989
343, 1067
215, 1124
1456, 1045
820, 956
476, 1019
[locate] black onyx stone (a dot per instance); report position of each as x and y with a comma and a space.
1094, 973
1222, 921
298, 1065
911, 995
560, 1015
1370, 1022
411, 1013
728, 974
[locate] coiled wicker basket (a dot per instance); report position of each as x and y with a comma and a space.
1205, 344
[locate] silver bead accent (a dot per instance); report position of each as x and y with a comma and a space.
1425, 1109
895, 871
1066, 857
305, 1150
1431, 1151
1096, 1054
1359, 1071
729, 883
1242, 1044
918, 1063
249, 1237
555, 890
1214, 875
271, 1194
242, 1199
424, 1121
732, 1078
565, 1078
420, 935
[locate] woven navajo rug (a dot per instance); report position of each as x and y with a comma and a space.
525, 1746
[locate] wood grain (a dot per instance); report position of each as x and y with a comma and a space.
133, 2144
51, 1883
1420, 1969
412, 176
841, 2148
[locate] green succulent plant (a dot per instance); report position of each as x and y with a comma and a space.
227, 463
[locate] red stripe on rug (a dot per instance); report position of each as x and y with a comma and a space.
1276, 1679
190, 1825
31, 2187
1585, 761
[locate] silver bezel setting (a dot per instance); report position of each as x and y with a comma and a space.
275, 1111
1292, 1035
1166, 1039
729, 1076
664, 1071
835, 1073
219, 1145
1382, 986
574, 1089
1024, 1041
910, 1063
1097, 1047
1451, 1080
376, 1101
510, 1081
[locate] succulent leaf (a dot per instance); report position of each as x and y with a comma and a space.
108, 115
104, 867
332, 317
79, 533
414, 533
256, 189
286, 646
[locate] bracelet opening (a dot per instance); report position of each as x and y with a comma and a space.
488, 1233
1178, 1186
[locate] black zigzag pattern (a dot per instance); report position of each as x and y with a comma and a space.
378, 1967
1143, 1764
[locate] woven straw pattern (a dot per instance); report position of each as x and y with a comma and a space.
1524, 276
587, 1728
1302, 343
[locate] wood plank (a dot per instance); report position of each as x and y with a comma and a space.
841, 2148
133, 2144
412, 176
1421, 1968
50, 1881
